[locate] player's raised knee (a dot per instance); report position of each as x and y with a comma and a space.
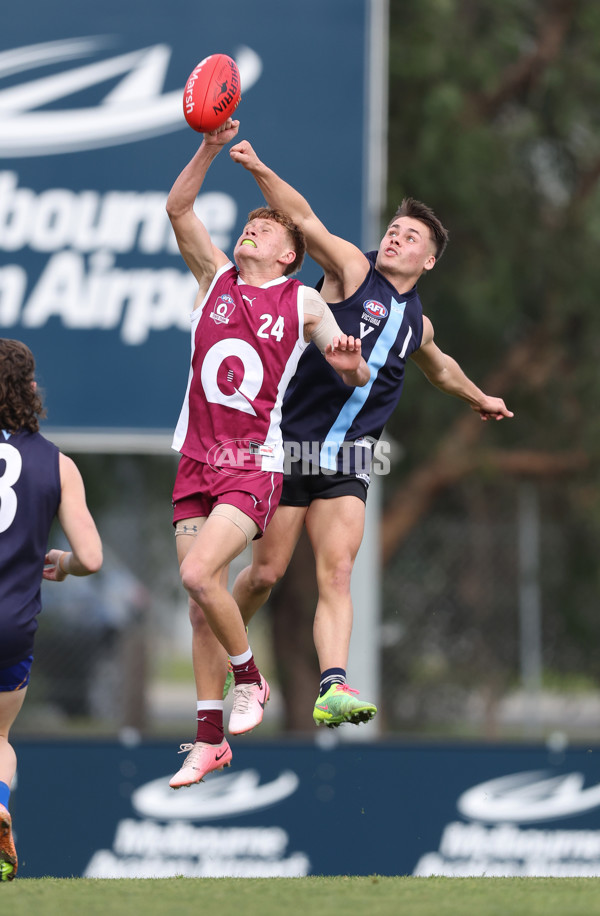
195, 581
265, 576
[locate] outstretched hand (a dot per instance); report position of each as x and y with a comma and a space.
492, 409
344, 354
243, 153
223, 134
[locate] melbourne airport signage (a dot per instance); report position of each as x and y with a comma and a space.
393, 809
92, 137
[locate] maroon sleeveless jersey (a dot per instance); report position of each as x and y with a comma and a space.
246, 343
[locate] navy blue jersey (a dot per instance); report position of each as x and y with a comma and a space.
29, 500
319, 407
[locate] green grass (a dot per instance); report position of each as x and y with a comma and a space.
346, 896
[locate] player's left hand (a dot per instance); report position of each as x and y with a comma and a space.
344, 353
223, 134
52, 570
492, 409
243, 153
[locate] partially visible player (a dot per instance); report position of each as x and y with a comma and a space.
373, 296
37, 484
250, 325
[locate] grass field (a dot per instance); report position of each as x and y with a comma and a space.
346, 896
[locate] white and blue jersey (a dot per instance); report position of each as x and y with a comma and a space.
346, 422
30, 494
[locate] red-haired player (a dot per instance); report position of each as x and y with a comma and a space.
250, 325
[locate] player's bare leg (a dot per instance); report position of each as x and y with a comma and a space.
271, 556
209, 658
210, 751
206, 582
335, 528
218, 542
10, 706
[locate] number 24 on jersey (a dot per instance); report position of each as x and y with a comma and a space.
270, 329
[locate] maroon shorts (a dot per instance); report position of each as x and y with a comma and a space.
199, 488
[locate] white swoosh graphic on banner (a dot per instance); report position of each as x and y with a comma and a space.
532, 796
133, 110
225, 796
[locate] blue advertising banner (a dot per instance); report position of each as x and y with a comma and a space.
384, 809
93, 135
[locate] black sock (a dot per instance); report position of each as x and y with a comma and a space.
329, 677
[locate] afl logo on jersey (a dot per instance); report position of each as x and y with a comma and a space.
374, 308
223, 310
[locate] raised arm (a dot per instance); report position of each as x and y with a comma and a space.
343, 263
444, 372
85, 555
343, 353
197, 250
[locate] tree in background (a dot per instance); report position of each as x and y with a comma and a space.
493, 119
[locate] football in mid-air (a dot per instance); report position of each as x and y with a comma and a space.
212, 93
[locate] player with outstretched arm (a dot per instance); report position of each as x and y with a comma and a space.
373, 296
250, 325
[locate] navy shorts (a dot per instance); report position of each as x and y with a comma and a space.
300, 489
17, 676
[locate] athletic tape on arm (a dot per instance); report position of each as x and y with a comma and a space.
327, 328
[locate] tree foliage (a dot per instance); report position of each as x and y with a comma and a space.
494, 121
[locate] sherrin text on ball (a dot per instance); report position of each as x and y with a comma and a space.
212, 93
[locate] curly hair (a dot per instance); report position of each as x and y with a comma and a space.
20, 403
295, 233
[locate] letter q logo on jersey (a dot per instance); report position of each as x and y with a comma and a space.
376, 309
223, 310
